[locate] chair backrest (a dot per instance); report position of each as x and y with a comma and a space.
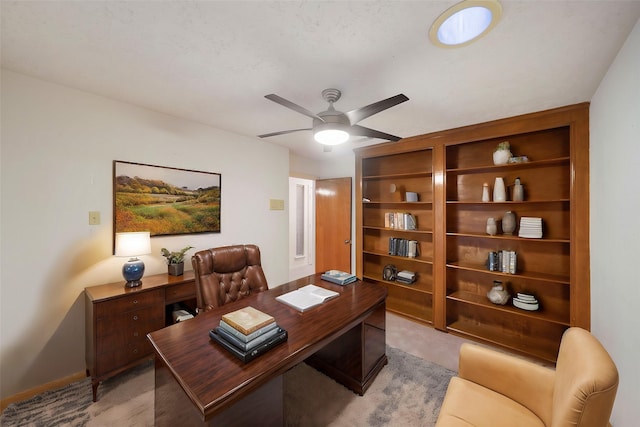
586, 382
227, 274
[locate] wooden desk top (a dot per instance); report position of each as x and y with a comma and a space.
117, 289
214, 379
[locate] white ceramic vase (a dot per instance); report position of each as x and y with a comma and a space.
501, 157
499, 191
485, 192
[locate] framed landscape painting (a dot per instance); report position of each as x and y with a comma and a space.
165, 200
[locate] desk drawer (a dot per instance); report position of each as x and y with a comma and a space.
129, 302
144, 320
181, 292
107, 362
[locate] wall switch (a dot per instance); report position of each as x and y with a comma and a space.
94, 218
276, 204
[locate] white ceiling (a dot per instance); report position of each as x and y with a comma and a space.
213, 61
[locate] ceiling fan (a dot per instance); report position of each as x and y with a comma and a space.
332, 127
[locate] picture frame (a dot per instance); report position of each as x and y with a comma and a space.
165, 200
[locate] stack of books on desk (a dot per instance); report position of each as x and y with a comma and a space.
338, 277
247, 333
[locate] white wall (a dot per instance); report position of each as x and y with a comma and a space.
615, 228
58, 145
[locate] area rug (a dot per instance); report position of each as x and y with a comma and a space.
407, 392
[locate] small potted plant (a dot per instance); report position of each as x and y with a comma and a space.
175, 260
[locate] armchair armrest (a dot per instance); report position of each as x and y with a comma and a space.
527, 383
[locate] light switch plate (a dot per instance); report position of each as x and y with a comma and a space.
94, 218
276, 204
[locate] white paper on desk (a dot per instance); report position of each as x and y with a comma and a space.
307, 297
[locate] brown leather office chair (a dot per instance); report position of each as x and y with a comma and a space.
496, 389
226, 274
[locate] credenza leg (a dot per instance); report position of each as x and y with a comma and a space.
94, 386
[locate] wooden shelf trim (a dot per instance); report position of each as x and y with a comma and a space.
413, 287
481, 301
418, 205
393, 230
511, 166
508, 202
398, 176
508, 237
529, 275
405, 258
534, 346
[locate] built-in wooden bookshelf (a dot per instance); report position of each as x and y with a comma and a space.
448, 170
385, 180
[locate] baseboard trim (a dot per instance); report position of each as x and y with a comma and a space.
27, 394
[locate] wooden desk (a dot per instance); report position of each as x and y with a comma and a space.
200, 383
118, 320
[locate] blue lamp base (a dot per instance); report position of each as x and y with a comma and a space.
132, 272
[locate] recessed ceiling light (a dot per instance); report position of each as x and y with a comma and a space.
465, 22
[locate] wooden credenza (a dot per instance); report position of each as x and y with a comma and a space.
118, 320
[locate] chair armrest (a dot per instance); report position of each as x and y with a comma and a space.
527, 383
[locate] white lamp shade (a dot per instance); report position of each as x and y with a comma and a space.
133, 244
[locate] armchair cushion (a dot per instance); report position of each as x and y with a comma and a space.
497, 389
227, 274
469, 404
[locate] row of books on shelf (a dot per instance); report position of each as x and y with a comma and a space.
247, 333
403, 247
504, 261
400, 221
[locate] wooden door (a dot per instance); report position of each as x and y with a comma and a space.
333, 224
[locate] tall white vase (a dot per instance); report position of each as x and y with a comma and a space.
499, 191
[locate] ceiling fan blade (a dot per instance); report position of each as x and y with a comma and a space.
371, 133
295, 107
282, 132
362, 113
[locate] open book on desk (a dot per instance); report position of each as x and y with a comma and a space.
307, 297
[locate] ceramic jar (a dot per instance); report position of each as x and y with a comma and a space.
499, 191
492, 227
497, 294
518, 191
508, 223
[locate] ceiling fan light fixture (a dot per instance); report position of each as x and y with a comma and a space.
330, 135
465, 22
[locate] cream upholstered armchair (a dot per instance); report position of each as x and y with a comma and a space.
496, 389
226, 274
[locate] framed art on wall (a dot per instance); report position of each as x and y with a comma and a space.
165, 200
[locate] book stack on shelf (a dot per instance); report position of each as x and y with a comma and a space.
403, 247
247, 333
400, 221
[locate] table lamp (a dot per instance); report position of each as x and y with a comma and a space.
132, 245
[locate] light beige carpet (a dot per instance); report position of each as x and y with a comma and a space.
408, 392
